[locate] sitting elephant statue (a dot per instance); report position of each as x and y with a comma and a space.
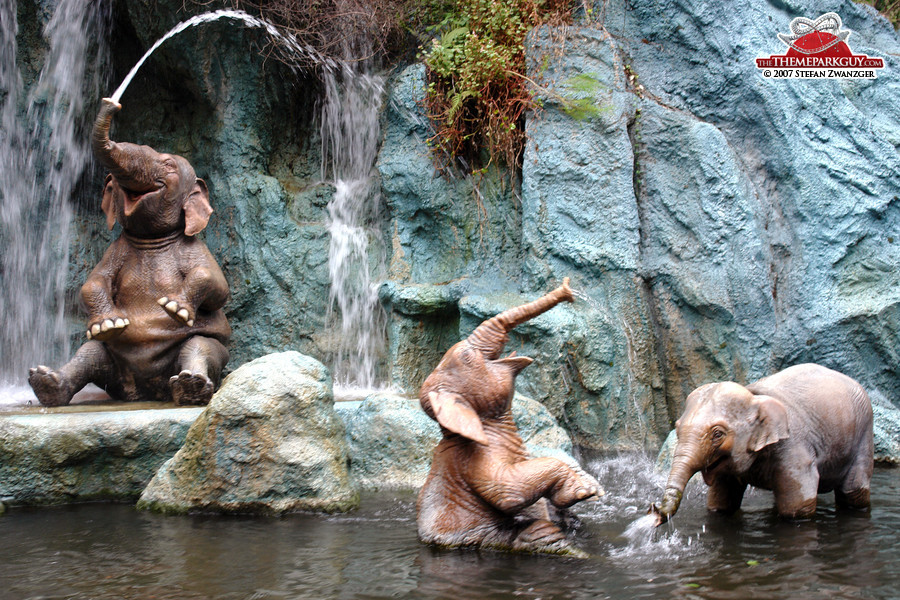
801, 432
483, 489
156, 329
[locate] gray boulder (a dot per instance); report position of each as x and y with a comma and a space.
269, 442
61, 457
887, 429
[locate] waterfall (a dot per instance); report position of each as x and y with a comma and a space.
350, 133
43, 153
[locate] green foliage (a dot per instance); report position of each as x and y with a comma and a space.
477, 90
474, 51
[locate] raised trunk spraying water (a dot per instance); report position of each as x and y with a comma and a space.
491, 336
135, 167
350, 133
42, 156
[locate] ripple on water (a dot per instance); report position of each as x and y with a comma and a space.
113, 551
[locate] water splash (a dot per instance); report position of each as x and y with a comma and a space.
43, 153
298, 52
350, 134
633, 482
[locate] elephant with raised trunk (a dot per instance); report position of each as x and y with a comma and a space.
801, 432
483, 489
156, 330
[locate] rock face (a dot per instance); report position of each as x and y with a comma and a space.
719, 226
269, 442
76, 457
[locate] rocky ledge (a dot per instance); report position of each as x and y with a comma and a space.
272, 440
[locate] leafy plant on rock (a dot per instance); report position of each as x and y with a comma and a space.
477, 91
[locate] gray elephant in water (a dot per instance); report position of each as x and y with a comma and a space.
801, 432
483, 488
156, 328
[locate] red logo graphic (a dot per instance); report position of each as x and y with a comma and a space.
818, 50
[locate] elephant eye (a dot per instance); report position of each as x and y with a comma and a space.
717, 434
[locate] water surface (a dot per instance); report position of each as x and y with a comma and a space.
113, 551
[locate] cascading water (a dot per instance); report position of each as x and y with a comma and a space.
43, 153
350, 132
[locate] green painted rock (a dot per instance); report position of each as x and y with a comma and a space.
269, 442
60, 458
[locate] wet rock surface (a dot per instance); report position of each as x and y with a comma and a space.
720, 226
58, 458
269, 442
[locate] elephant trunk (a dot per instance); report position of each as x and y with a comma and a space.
491, 336
133, 166
683, 468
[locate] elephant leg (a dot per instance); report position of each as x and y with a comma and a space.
514, 486
854, 490
200, 363
725, 494
796, 488
91, 364
540, 535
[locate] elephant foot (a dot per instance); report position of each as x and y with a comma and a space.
177, 311
191, 388
855, 499
541, 535
577, 486
49, 386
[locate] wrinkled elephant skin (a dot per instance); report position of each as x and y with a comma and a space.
156, 329
483, 489
801, 432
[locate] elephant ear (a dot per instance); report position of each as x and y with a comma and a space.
197, 209
109, 201
454, 414
770, 424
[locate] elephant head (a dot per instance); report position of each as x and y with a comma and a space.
722, 430
151, 194
472, 382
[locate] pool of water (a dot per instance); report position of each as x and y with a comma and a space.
100, 551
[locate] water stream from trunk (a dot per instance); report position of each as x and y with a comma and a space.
42, 157
298, 52
43, 154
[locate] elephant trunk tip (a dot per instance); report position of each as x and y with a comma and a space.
111, 105
668, 507
565, 291
659, 517
101, 143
